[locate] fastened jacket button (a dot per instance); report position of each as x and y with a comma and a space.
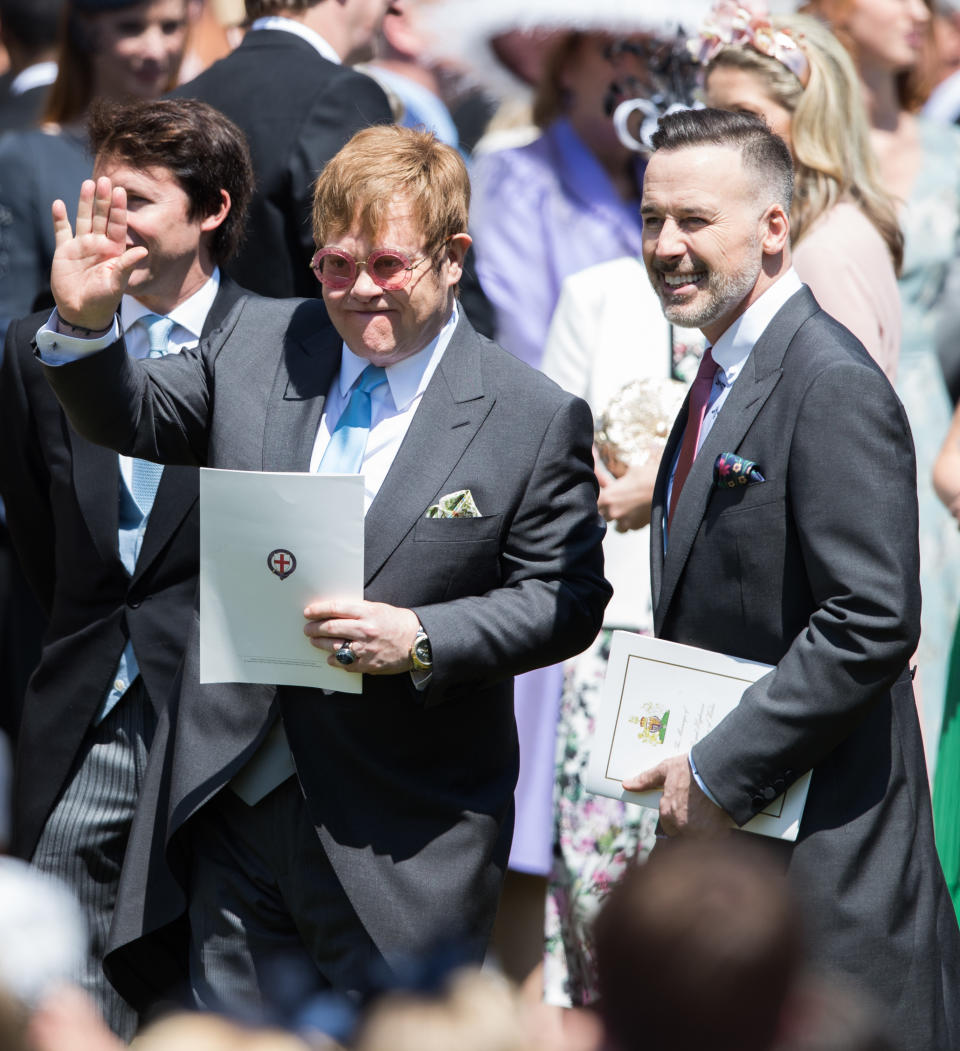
132, 602
780, 785
758, 803
769, 793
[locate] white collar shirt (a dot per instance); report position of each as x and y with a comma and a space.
731, 351
290, 25
393, 405
188, 320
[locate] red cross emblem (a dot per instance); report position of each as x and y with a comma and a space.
281, 562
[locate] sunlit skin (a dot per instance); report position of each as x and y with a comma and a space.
138, 49
889, 34
738, 89
158, 218
710, 250
383, 326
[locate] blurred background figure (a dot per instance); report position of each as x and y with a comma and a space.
542, 211
946, 782
289, 88
214, 32
918, 162
109, 49
699, 948
845, 241
943, 64
28, 30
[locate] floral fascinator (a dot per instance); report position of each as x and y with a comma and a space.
746, 23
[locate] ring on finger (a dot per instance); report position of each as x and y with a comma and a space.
345, 655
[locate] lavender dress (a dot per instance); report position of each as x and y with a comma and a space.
542, 212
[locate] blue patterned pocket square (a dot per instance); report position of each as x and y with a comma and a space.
731, 471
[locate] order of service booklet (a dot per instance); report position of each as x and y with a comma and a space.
658, 699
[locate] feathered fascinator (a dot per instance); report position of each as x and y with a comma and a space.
461, 32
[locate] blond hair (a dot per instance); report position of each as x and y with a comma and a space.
387, 164
830, 135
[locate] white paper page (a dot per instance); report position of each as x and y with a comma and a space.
659, 698
270, 543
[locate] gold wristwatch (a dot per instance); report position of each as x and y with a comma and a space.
420, 652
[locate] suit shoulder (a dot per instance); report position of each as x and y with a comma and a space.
507, 374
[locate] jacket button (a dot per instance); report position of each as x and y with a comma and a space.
769, 793
133, 603
780, 785
758, 803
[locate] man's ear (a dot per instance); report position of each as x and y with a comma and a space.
455, 251
774, 230
214, 219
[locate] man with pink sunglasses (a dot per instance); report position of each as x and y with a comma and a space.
341, 831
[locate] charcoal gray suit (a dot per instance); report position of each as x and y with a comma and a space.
410, 794
815, 570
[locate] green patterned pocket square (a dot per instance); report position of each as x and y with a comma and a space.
454, 505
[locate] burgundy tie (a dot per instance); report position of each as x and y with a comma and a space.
699, 396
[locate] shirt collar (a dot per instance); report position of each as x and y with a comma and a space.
290, 25
732, 349
39, 75
407, 378
191, 314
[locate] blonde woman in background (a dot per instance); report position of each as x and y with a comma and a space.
920, 164
847, 246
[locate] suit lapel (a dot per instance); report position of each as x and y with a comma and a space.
451, 411
96, 481
306, 369
760, 375
179, 486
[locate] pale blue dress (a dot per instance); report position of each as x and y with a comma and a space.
931, 225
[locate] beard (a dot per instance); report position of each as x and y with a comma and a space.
721, 292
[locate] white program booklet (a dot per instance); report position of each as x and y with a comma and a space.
271, 543
659, 698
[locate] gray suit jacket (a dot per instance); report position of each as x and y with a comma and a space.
815, 570
411, 794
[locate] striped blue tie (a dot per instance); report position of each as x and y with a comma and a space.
348, 443
146, 475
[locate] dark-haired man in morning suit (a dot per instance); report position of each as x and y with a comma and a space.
115, 574
290, 88
342, 830
811, 566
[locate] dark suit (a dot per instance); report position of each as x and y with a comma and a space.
410, 794
815, 570
23, 111
61, 494
296, 109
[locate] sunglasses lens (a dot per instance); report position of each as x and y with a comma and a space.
389, 269
334, 269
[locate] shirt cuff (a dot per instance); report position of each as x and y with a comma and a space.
420, 679
700, 784
56, 348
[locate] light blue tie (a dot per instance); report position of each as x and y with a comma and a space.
146, 475
344, 454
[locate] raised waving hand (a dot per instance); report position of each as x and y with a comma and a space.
91, 268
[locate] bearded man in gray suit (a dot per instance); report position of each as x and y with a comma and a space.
336, 829
811, 566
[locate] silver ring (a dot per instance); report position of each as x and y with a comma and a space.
345, 655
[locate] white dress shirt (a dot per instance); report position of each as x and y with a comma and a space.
393, 405
290, 25
730, 353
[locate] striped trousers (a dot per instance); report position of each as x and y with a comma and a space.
85, 837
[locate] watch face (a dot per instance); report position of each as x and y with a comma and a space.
423, 652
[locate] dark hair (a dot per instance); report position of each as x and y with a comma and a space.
698, 948
762, 151
31, 23
204, 150
260, 8
78, 40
